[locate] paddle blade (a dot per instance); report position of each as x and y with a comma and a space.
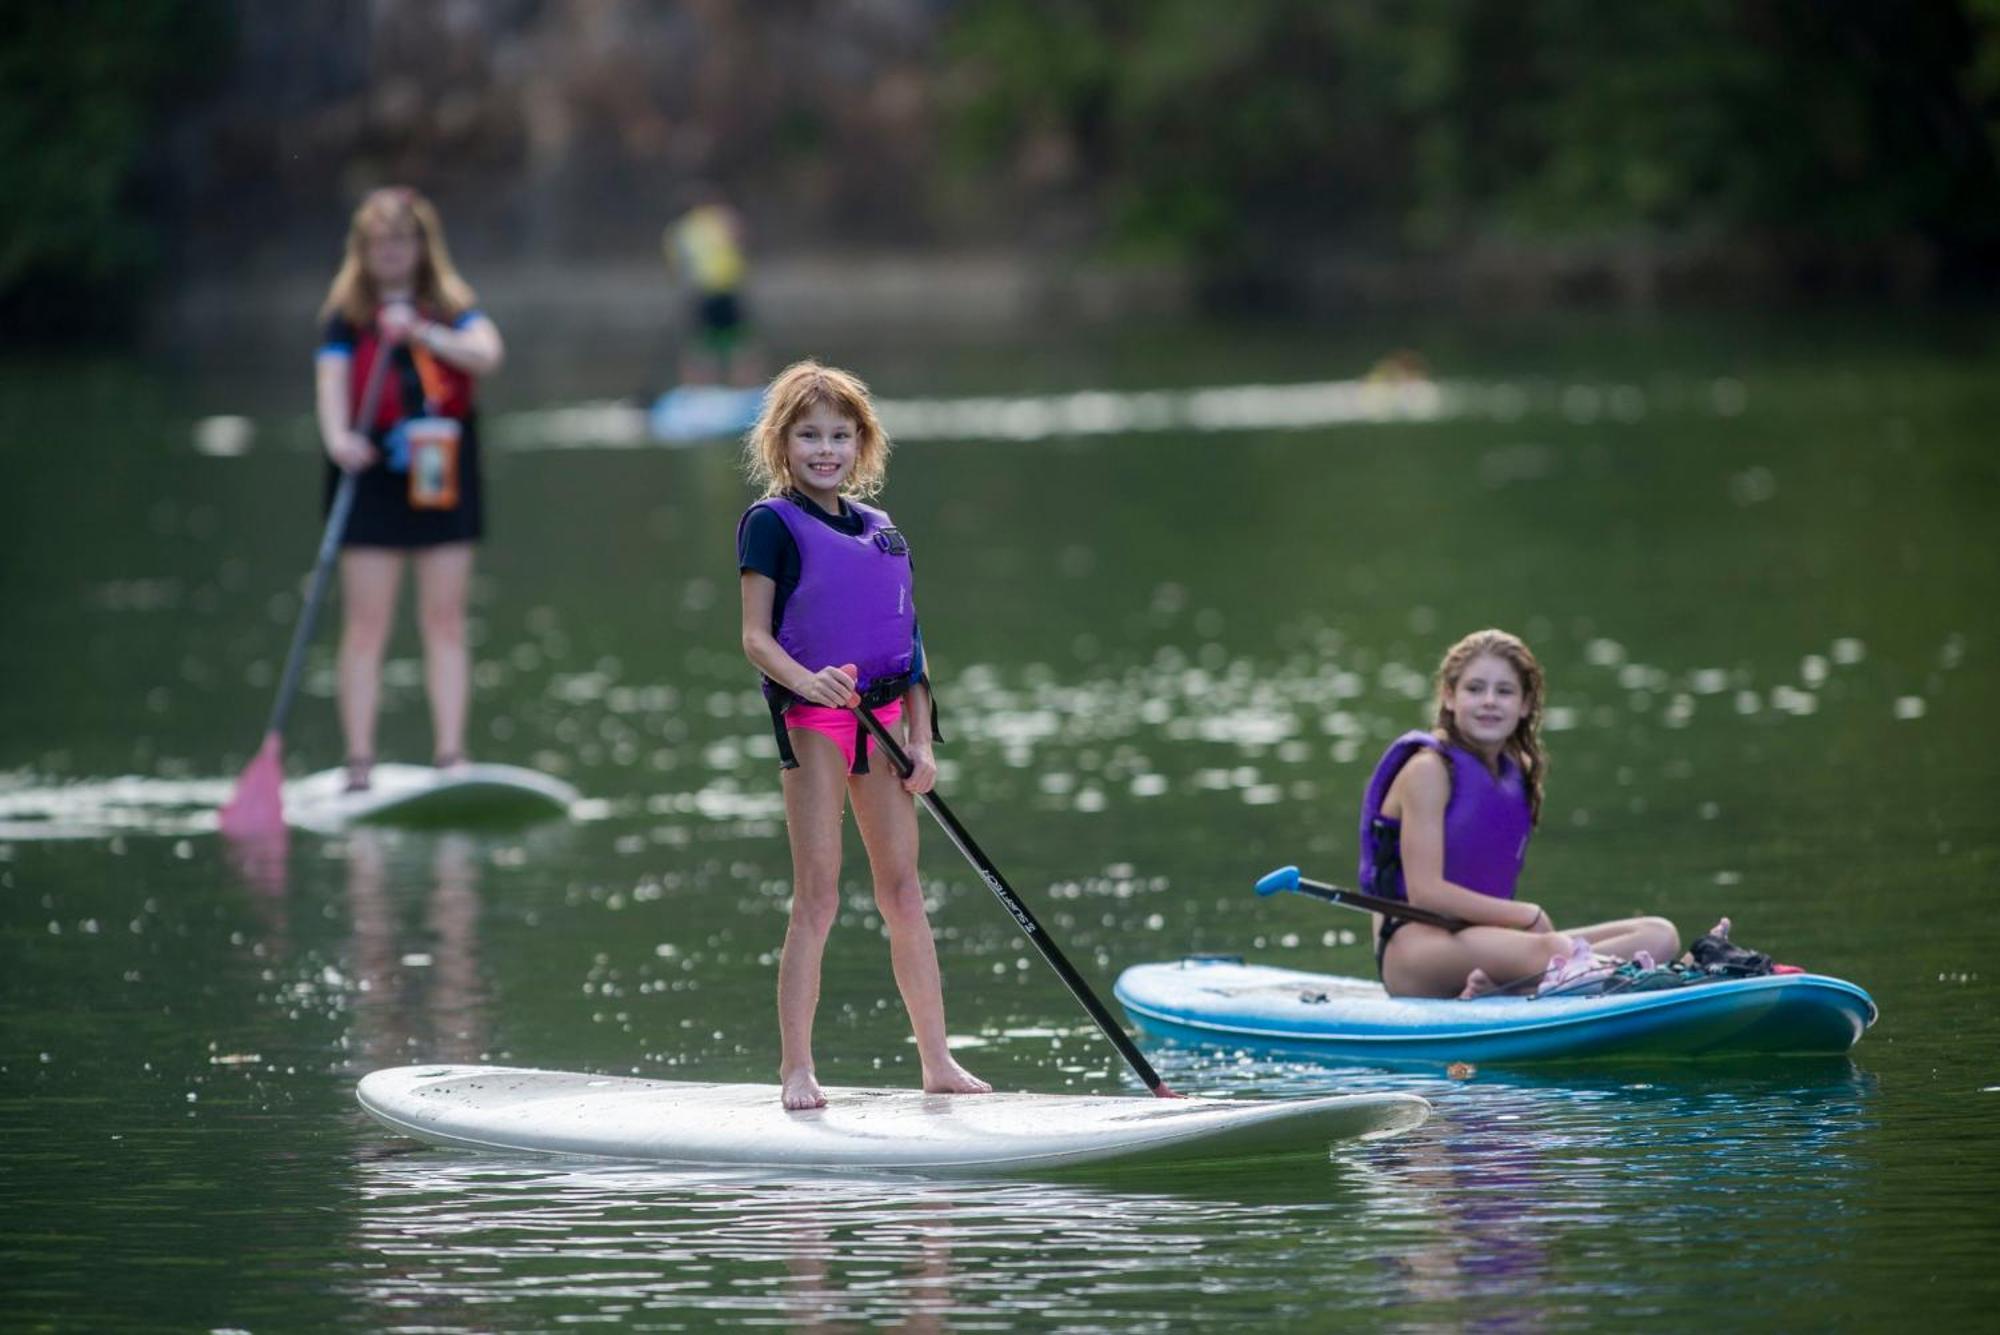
257, 807
1284, 878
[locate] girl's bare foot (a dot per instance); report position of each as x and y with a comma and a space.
1478, 984
948, 1077
801, 1091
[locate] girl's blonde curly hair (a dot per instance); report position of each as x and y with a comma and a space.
799, 389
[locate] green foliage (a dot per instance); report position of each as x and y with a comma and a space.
82, 87
1192, 116
1226, 131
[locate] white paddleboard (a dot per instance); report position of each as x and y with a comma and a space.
463, 795
745, 1126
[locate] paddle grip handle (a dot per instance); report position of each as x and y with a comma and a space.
1284, 878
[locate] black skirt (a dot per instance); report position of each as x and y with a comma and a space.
384, 517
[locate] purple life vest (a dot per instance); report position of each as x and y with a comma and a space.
1486, 824
854, 602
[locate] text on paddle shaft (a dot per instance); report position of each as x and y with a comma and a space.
1007, 899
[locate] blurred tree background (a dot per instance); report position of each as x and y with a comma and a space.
1802, 143
1282, 153
86, 87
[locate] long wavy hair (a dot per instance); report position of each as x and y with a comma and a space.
1525, 743
439, 289
799, 389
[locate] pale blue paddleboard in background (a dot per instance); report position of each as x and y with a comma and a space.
1225, 1001
690, 413
686, 1123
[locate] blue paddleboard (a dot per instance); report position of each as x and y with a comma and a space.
1225, 1001
703, 412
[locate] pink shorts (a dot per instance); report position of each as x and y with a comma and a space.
841, 724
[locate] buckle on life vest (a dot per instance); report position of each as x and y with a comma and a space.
886, 692
892, 541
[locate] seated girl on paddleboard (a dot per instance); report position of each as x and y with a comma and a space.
830, 621
1445, 826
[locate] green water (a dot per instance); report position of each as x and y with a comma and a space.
1760, 567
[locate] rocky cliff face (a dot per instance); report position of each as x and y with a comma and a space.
565, 130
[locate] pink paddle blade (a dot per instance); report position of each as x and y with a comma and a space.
257, 807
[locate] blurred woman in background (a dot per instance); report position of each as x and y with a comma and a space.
415, 463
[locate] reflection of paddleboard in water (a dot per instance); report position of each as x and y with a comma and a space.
745, 1126
463, 795
703, 412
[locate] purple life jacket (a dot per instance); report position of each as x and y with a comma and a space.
853, 604
1486, 824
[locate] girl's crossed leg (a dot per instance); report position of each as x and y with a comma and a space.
1626, 937
1425, 961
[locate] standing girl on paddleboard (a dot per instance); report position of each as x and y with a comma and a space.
829, 620
417, 498
1445, 825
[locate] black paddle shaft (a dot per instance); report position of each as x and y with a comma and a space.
1390, 908
329, 543
1020, 912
